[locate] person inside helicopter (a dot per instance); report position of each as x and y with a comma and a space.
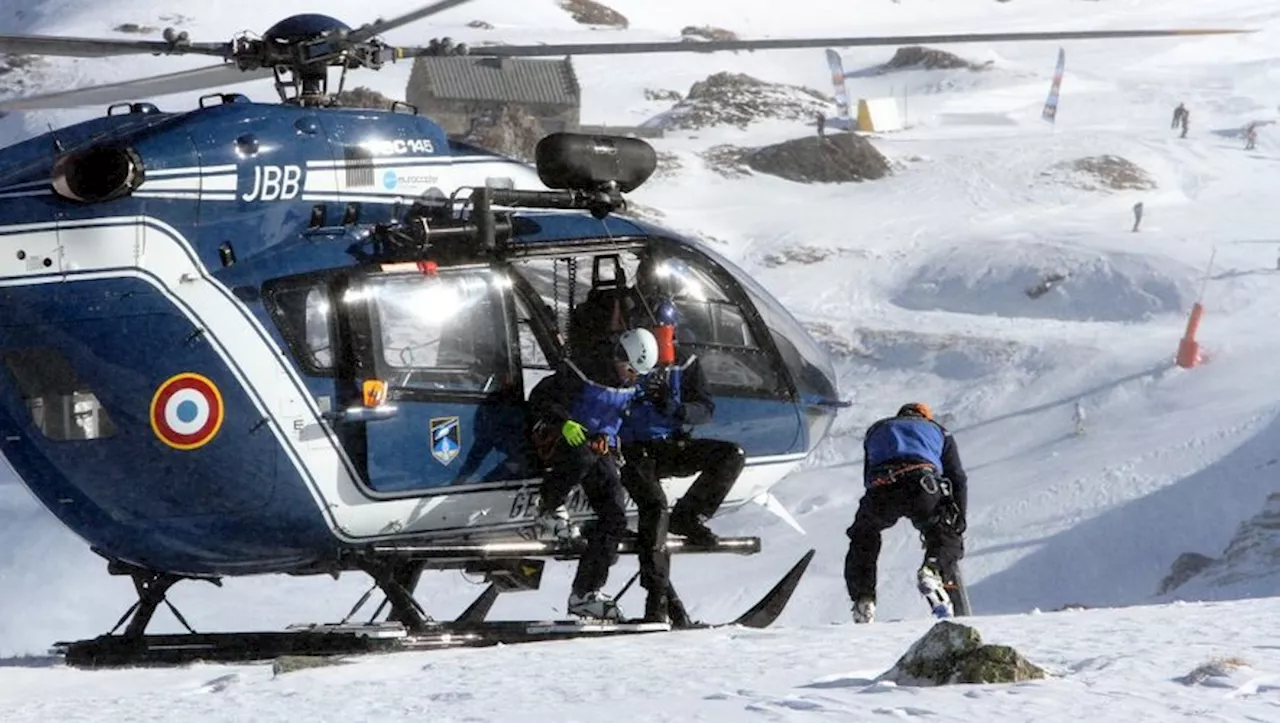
673, 397
577, 413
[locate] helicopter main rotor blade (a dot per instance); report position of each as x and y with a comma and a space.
183, 81
711, 46
359, 35
104, 48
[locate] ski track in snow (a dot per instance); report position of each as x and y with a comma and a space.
919, 293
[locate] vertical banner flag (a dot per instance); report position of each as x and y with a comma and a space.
1050, 112
837, 82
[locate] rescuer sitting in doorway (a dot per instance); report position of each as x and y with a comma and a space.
656, 435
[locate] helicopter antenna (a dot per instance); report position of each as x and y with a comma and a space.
57, 144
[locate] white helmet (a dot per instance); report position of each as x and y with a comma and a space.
640, 348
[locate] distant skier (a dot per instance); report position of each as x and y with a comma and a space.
1137, 216
1178, 113
1251, 136
1078, 417
822, 124
911, 469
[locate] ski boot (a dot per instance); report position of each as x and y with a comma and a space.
929, 583
864, 611
555, 525
595, 605
693, 528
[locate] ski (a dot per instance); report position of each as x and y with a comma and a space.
469, 630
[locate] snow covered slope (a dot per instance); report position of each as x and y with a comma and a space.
918, 283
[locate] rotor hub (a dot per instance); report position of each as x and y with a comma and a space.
307, 26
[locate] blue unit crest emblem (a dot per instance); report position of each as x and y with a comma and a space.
446, 439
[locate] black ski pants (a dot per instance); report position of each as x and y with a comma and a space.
918, 497
719, 464
598, 476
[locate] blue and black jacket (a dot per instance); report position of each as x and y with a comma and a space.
589, 394
671, 397
898, 442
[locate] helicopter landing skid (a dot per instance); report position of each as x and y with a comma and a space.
342, 639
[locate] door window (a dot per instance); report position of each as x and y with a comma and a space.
444, 332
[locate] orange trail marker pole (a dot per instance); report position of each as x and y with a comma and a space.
1188, 347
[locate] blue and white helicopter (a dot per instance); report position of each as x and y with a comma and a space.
250, 338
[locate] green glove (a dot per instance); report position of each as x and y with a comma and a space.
575, 434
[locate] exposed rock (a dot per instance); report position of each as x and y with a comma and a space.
10, 63
1187, 566
952, 653
134, 28
643, 212
1213, 671
706, 32
727, 160
362, 97
668, 165
480, 25
1253, 553
838, 158
798, 255
1096, 173
1046, 284
662, 94
918, 56
22, 75
738, 99
513, 132
290, 663
589, 12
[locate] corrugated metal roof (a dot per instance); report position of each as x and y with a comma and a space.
511, 80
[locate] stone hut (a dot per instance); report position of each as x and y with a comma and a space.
459, 92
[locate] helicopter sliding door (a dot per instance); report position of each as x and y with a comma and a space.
443, 345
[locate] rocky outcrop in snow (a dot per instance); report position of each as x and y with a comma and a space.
838, 158
738, 99
1253, 553
951, 653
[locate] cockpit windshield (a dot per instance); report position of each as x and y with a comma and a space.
809, 364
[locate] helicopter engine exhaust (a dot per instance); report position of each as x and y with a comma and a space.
577, 161
98, 174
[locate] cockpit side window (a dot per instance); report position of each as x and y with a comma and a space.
711, 324
300, 308
445, 333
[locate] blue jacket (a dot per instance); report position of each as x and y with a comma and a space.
571, 394
900, 441
670, 398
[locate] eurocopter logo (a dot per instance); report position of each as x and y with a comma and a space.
446, 439
393, 179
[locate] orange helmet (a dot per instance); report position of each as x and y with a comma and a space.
916, 409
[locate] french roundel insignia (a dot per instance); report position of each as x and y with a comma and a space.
186, 411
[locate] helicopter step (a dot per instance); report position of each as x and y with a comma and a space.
108, 651
556, 549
